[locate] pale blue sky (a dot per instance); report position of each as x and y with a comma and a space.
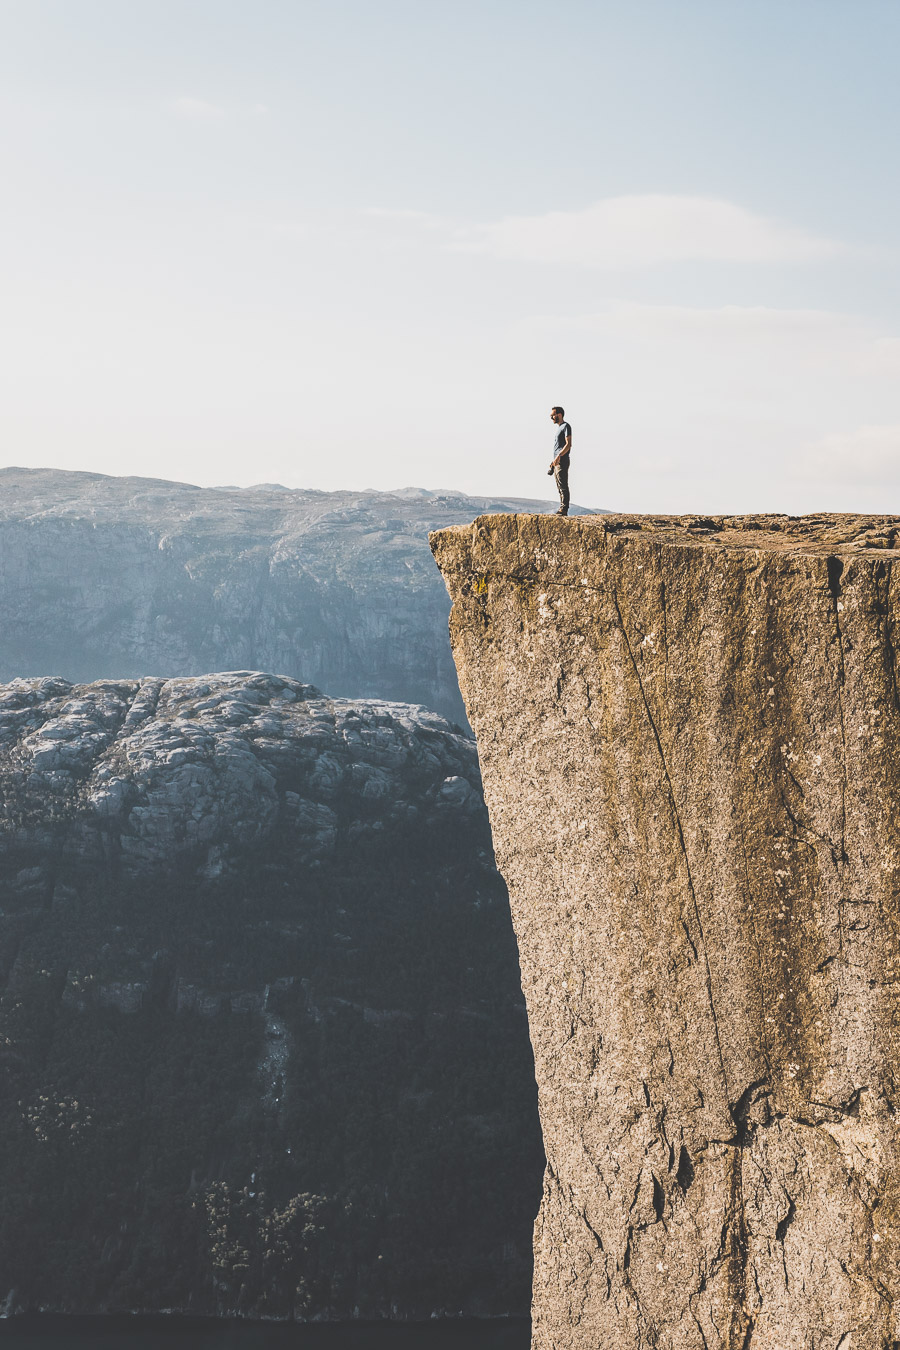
369, 245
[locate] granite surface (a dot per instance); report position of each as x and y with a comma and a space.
689, 733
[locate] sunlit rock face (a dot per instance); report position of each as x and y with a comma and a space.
110, 577
262, 1043
689, 731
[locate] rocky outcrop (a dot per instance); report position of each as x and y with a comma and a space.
123, 577
689, 731
262, 1043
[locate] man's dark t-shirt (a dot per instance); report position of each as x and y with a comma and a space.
563, 431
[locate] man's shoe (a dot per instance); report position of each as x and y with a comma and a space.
561, 512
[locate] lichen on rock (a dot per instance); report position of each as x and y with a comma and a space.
689, 731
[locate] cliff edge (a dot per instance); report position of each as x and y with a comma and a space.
689, 733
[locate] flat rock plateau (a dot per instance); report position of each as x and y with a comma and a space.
123, 577
263, 1049
689, 733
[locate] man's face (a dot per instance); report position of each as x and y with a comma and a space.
555, 416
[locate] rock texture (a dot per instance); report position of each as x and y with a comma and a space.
689, 731
122, 577
262, 1043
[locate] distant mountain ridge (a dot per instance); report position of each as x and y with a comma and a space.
107, 577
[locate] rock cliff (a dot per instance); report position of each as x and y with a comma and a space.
262, 1042
122, 577
689, 731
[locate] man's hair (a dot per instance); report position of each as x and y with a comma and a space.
561, 411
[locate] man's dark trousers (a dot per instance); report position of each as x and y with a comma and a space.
561, 474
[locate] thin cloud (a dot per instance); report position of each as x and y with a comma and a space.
869, 454
713, 319
642, 231
846, 343
403, 217
195, 109
884, 357
200, 110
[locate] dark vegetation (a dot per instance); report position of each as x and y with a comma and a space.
291, 1091
190, 1333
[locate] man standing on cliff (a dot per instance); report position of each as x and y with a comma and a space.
559, 465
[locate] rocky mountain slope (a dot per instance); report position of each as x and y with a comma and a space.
110, 577
690, 737
262, 1041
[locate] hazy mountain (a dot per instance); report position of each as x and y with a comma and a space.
111, 577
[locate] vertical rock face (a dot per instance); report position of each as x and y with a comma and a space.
690, 741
